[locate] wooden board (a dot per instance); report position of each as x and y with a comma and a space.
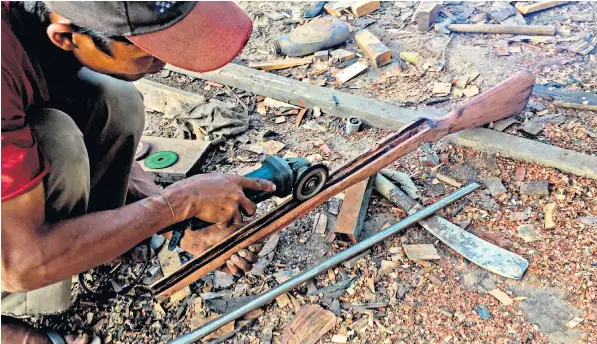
353, 211
191, 155
170, 263
392, 117
308, 326
373, 48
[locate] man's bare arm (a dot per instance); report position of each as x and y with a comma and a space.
35, 253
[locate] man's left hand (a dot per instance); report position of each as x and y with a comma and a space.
141, 184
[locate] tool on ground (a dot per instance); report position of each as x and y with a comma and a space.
296, 176
161, 159
318, 34
143, 149
505, 99
353, 124
292, 283
486, 255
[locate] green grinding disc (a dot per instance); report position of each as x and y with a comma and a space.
161, 159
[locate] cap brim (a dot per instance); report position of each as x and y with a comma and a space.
207, 38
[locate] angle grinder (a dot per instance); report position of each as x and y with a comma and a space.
292, 176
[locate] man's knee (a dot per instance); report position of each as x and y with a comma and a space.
121, 101
61, 142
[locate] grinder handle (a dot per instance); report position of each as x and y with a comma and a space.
274, 169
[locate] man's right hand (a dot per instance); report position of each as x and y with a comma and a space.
215, 197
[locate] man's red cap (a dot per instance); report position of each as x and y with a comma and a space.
197, 36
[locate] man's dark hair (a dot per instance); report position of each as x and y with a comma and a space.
101, 41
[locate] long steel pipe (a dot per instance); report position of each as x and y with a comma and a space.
271, 294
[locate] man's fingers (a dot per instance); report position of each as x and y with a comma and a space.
237, 219
247, 205
257, 184
241, 263
232, 268
256, 248
248, 256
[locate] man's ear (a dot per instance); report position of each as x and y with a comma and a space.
61, 34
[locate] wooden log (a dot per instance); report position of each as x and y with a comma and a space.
280, 64
353, 211
478, 251
373, 48
539, 30
362, 8
505, 99
308, 326
537, 6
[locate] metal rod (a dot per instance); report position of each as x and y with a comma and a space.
271, 294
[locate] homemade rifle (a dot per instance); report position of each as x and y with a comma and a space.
505, 99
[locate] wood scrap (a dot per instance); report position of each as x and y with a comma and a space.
537, 6
170, 263
300, 116
342, 55
448, 180
280, 64
504, 29
501, 296
350, 72
549, 210
426, 14
364, 7
353, 211
308, 326
421, 252
373, 48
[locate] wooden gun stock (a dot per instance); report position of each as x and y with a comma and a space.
505, 99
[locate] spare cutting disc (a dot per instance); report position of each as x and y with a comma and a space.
161, 159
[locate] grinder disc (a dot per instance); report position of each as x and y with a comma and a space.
161, 159
311, 182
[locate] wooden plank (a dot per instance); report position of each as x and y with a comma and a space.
373, 48
170, 263
565, 96
308, 326
165, 99
353, 211
426, 14
392, 117
362, 8
191, 155
537, 6
493, 142
421, 252
540, 30
280, 64
351, 71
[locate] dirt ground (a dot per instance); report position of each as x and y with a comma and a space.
439, 301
